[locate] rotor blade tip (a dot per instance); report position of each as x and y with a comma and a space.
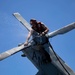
16, 13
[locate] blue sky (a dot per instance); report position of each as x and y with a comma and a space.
54, 13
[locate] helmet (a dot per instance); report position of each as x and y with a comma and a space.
34, 20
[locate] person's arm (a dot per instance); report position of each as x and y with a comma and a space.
28, 37
46, 29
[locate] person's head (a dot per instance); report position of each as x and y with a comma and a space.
33, 21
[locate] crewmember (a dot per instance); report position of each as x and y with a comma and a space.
38, 27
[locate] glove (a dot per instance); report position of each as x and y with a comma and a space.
43, 33
26, 43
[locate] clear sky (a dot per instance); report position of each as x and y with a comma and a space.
53, 13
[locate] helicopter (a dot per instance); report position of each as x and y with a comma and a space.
40, 52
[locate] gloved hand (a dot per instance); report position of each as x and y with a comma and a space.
42, 34
26, 43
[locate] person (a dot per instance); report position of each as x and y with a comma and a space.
37, 26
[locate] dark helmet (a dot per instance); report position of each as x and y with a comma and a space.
33, 20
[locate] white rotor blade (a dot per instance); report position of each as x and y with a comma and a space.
10, 52
22, 20
62, 30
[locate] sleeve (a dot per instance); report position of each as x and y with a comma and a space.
44, 26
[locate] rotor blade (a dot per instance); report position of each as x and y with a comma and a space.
62, 30
10, 52
22, 20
